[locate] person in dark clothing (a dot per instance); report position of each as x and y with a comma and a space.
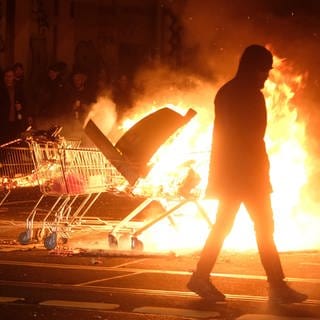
123, 95
52, 96
14, 116
239, 173
81, 96
19, 74
22, 86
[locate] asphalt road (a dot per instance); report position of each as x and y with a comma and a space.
36, 283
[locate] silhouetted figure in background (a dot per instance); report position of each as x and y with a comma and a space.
19, 75
52, 97
122, 95
14, 115
81, 96
239, 173
22, 86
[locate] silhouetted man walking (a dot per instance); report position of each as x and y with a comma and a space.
239, 173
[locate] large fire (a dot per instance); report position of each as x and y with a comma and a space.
179, 171
296, 224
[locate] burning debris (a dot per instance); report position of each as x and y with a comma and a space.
131, 154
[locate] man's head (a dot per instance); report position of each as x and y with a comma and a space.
53, 72
18, 70
255, 62
79, 80
8, 77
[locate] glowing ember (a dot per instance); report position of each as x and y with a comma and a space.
296, 226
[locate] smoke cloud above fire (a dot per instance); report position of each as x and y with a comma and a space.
216, 32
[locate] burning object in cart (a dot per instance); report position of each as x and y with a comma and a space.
132, 152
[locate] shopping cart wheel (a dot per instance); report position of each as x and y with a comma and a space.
25, 237
112, 241
50, 242
136, 244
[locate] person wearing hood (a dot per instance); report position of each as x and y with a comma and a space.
239, 174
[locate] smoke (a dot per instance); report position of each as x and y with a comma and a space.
103, 114
214, 36
217, 32
224, 28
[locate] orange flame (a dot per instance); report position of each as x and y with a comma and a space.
296, 227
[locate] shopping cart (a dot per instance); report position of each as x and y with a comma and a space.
73, 178
17, 162
16, 168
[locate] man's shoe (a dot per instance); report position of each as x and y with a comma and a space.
284, 294
204, 288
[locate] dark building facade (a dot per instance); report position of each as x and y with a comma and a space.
108, 36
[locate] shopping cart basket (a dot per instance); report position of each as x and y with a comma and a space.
74, 178
17, 162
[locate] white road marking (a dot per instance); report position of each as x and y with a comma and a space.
80, 304
130, 262
139, 270
107, 279
13, 247
271, 317
10, 299
177, 312
149, 292
311, 263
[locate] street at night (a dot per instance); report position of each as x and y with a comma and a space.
159, 160
101, 283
